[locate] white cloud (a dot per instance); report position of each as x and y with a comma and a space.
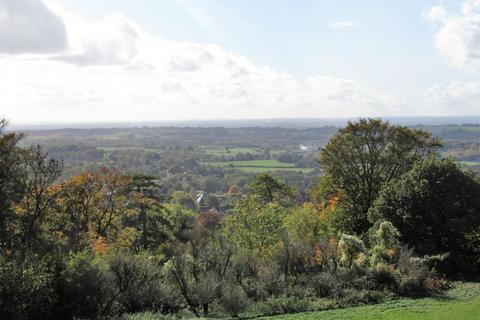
457, 35
326, 89
108, 42
455, 98
112, 70
436, 13
29, 26
455, 93
342, 25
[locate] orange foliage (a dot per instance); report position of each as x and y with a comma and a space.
99, 246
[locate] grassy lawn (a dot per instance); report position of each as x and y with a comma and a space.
460, 303
259, 165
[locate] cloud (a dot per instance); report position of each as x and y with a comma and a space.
455, 93
349, 95
436, 13
457, 97
112, 41
112, 70
343, 25
457, 35
29, 26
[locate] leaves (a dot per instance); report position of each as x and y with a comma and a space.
362, 157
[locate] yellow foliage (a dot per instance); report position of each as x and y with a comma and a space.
126, 238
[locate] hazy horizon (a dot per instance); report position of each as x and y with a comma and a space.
232, 123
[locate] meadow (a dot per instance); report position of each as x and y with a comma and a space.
231, 151
269, 165
469, 163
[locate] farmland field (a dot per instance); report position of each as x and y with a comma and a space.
259, 165
231, 151
234, 151
469, 163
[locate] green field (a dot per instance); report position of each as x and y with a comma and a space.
226, 151
231, 151
469, 163
460, 303
259, 165
110, 149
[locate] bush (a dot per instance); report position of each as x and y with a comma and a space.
323, 284
234, 300
385, 276
413, 274
136, 283
26, 289
282, 304
81, 288
351, 248
353, 297
148, 316
269, 281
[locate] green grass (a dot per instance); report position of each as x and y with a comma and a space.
238, 150
231, 151
460, 303
110, 149
259, 166
469, 163
253, 163
267, 169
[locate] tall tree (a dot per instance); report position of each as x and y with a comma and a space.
147, 217
436, 208
39, 193
11, 177
363, 156
266, 188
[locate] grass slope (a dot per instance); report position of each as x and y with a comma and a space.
460, 303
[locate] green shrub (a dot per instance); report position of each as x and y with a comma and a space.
269, 282
351, 248
282, 304
385, 276
323, 284
138, 285
148, 316
81, 288
353, 297
234, 300
26, 289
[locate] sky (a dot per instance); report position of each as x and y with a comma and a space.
67, 61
